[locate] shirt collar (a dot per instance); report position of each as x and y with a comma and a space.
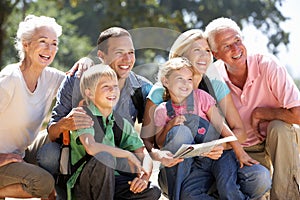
133, 80
95, 111
253, 69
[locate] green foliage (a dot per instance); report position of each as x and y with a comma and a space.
72, 46
83, 20
263, 14
297, 82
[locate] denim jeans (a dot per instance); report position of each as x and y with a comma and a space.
205, 171
177, 136
48, 158
254, 180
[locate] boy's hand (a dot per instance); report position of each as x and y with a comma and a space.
138, 185
134, 164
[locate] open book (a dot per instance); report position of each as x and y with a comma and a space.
191, 150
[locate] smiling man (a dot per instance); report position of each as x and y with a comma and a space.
115, 48
267, 100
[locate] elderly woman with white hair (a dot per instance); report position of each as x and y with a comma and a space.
27, 90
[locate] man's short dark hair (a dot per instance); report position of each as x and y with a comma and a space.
108, 33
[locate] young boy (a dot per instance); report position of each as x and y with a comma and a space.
99, 176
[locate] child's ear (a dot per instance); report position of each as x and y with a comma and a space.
88, 93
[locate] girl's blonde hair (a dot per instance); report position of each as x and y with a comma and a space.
91, 77
169, 67
184, 41
27, 30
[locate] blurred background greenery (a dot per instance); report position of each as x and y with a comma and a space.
83, 20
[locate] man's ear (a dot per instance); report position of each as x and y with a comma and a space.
100, 55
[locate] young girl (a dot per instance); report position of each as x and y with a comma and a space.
181, 117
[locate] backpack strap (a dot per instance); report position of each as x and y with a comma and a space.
205, 85
99, 134
118, 128
99, 127
139, 104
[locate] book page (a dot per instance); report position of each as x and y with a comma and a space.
192, 150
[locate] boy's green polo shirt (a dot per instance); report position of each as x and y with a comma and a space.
130, 140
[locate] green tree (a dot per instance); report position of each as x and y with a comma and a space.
180, 15
86, 18
263, 14
72, 45
297, 82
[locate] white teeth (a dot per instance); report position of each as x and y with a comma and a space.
112, 98
238, 56
202, 63
124, 67
45, 56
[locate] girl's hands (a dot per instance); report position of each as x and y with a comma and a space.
244, 158
167, 159
215, 153
178, 120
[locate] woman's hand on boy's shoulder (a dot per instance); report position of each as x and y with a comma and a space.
6, 158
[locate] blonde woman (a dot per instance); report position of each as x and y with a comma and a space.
193, 45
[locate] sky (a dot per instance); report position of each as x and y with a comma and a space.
290, 57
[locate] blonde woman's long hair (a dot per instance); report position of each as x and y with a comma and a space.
184, 41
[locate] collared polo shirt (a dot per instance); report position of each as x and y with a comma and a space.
130, 139
268, 85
